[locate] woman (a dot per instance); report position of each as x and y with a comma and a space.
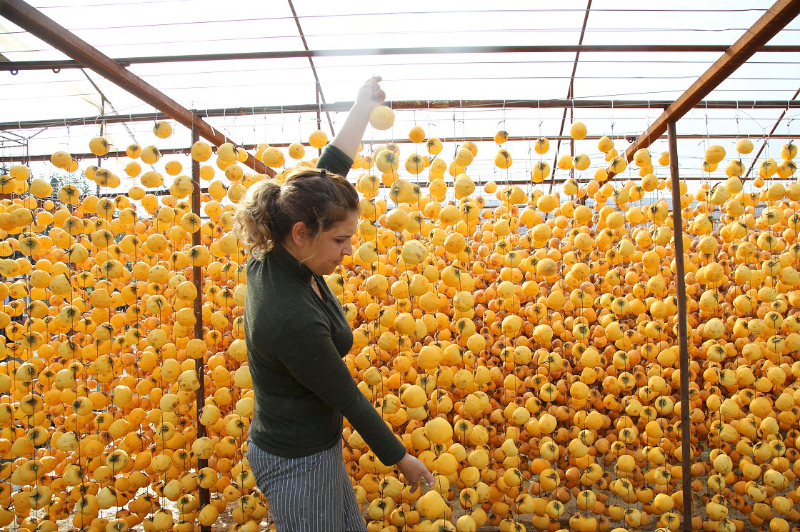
297, 334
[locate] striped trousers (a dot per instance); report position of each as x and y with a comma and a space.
307, 494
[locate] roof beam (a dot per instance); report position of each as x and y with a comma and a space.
753, 40
403, 104
70, 44
320, 95
570, 96
17, 66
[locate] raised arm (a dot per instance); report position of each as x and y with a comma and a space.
349, 137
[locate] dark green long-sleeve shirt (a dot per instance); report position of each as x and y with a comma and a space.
295, 344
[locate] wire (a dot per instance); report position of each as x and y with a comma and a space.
415, 64
183, 88
383, 34
410, 13
115, 4
488, 78
459, 63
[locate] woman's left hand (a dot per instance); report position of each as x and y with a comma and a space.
414, 470
370, 93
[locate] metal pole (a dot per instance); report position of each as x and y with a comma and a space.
686, 429
400, 104
571, 145
18, 66
200, 397
313, 67
102, 131
319, 119
570, 94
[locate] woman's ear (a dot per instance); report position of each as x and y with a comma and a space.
300, 233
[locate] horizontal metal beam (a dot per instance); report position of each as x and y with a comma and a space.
154, 192
761, 32
46, 29
404, 104
17, 66
583, 182
500, 182
376, 142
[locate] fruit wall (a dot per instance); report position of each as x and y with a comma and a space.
521, 339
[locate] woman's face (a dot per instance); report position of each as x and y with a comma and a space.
326, 252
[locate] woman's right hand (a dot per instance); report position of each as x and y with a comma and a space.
370, 94
349, 137
413, 470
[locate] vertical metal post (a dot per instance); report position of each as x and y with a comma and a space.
102, 131
572, 141
686, 429
319, 118
200, 397
319, 115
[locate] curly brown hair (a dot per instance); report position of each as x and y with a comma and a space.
268, 212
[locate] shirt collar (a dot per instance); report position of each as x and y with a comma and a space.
287, 260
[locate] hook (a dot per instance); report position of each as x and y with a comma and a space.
612, 119
429, 113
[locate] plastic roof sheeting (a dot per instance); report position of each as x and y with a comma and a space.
177, 27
